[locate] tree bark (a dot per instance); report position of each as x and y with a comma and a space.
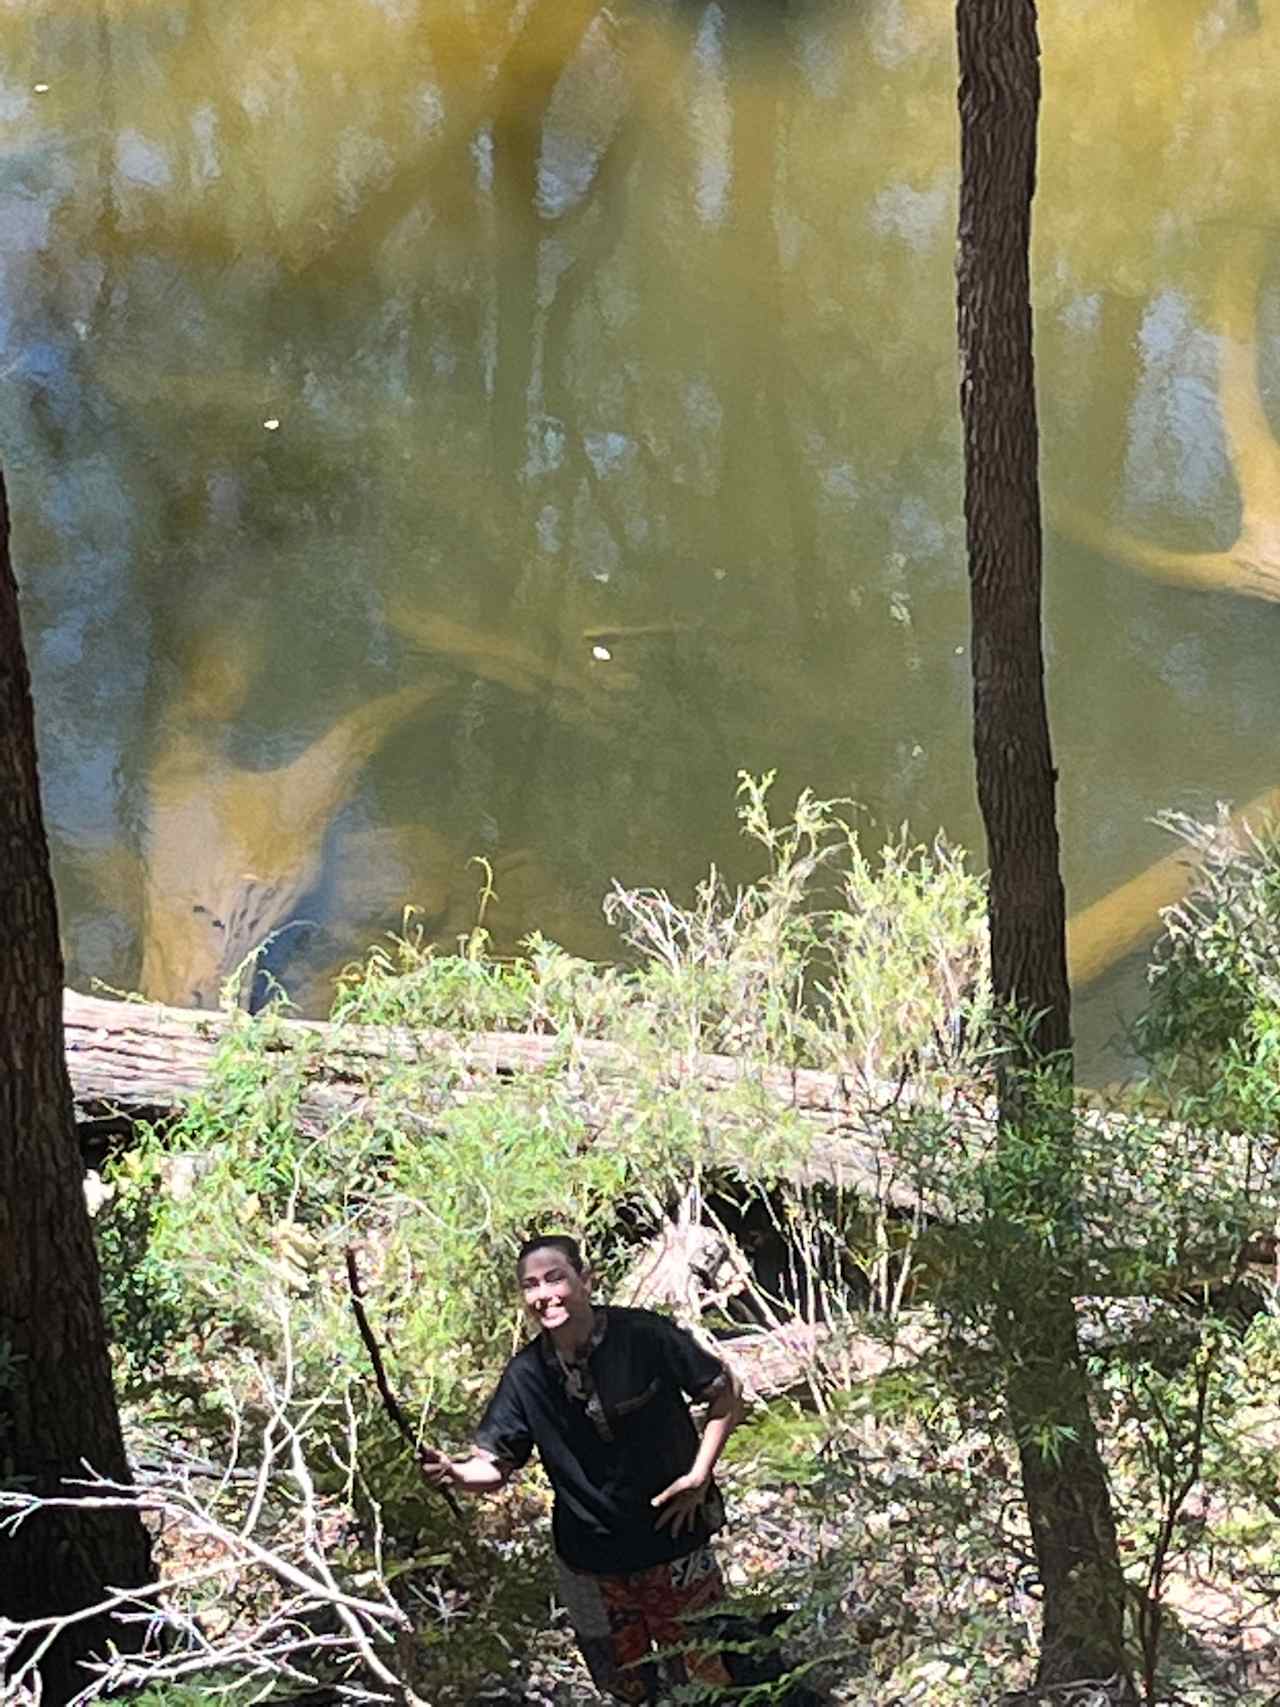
140, 1061
1065, 1485
57, 1408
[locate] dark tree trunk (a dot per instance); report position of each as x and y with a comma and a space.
57, 1408
999, 102
1067, 1497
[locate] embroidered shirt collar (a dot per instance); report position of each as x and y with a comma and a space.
579, 1384
551, 1352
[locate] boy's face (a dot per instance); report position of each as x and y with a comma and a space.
554, 1293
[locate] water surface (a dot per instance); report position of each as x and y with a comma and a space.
550, 408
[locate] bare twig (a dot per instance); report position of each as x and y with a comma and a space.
308, 1628
427, 1459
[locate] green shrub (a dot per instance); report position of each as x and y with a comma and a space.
1210, 1024
238, 1218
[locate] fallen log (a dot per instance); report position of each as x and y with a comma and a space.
132, 1061
691, 1268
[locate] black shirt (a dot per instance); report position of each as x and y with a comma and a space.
609, 1450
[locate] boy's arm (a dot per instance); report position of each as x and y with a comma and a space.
502, 1443
724, 1413
678, 1505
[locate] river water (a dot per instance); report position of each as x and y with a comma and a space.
440, 428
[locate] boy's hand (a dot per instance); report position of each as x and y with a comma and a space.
476, 1473
678, 1505
436, 1467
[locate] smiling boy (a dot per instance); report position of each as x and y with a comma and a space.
603, 1392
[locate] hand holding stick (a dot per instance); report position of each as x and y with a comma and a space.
427, 1458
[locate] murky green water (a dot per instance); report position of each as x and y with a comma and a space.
589, 371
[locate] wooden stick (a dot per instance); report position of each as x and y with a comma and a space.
427, 1458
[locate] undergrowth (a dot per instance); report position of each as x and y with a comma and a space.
832, 959
889, 1490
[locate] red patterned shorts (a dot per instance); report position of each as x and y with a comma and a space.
620, 1620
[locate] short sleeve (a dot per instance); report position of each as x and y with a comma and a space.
503, 1432
694, 1369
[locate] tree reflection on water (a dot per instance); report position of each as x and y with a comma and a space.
384, 359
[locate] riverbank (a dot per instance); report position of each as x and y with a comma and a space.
775, 1123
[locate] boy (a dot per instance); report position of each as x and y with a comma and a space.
602, 1393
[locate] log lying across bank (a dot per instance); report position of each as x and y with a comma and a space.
134, 1061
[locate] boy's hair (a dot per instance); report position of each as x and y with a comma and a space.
569, 1249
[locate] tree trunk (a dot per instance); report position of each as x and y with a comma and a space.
1065, 1485
59, 1412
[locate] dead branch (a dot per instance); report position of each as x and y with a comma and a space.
426, 1457
314, 1629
